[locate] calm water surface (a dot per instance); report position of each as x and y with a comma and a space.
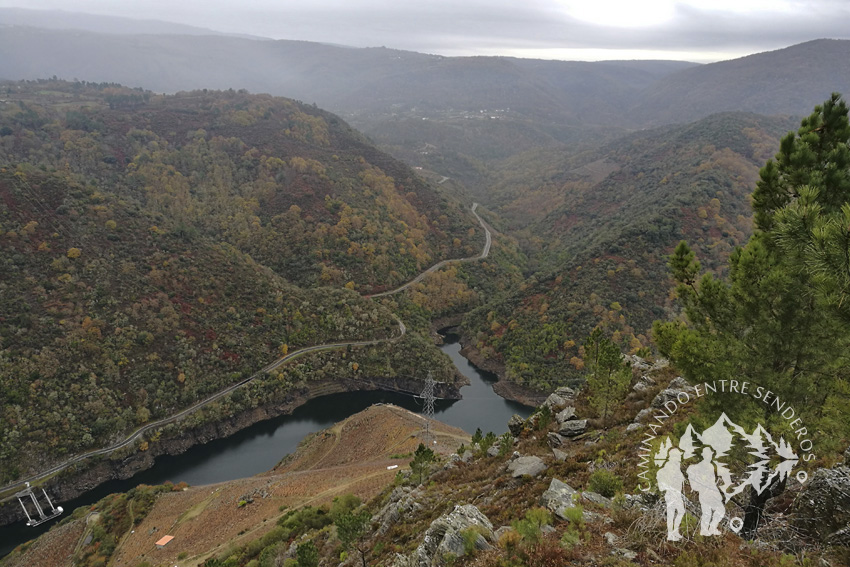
261, 446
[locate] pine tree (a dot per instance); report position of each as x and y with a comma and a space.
608, 375
780, 320
422, 459
351, 526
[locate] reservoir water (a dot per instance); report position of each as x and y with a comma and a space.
259, 447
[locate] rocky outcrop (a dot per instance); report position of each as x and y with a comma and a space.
560, 398
554, 440
558, 497
401, 504
573, 428
566, 414
444, 537
672, 392
822, 509
597, 499
515, 424
531, 466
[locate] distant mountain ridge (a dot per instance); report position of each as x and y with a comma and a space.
66, 20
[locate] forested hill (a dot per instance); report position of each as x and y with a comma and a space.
609, 219
157, 249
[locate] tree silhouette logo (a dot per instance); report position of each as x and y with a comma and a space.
704, 462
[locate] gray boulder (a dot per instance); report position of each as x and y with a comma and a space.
573, 427
554, 440
634, 426
555, 402
637, 362
560, 456
467, 456
566, 414
444, 535
822, 509
677, 386
558, 497
401, 504
493, 451
560, 398
664, 396
531, 466
643, 415
515, 424
597, 499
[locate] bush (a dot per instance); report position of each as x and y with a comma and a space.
605, 483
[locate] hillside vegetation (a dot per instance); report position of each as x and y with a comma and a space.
600, 226
148, 262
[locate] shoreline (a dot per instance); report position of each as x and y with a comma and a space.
92, 474
504, 388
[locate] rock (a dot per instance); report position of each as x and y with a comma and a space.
626, 554
560, 456
493, 451
610, 538
677, 386
566, 393
597, 499
640, 386
467, 456
401, 504
555, 402
546, 529
566, 414
573, 428
403, 561
497, 535
531, 466
558, 497
642, 415
554, 440
444, 535
822, 509
515, 424
634, 427
643, 501
515, 455
559, 398
637, 362
663, 397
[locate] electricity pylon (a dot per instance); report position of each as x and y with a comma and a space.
428, 405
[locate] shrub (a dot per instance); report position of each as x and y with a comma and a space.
605, 483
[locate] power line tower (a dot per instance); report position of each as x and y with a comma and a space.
428, 405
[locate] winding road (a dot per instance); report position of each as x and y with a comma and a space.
268, 368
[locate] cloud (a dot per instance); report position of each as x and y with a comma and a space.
500, 26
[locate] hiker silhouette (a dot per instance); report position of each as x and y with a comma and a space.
703, 481
670, 481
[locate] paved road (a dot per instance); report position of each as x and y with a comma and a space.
268, 368
488, 240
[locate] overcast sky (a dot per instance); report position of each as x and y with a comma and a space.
694, 30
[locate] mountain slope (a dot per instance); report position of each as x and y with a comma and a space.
785, 81
608, 220
148, 263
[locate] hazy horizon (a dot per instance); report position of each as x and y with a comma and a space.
541, 29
